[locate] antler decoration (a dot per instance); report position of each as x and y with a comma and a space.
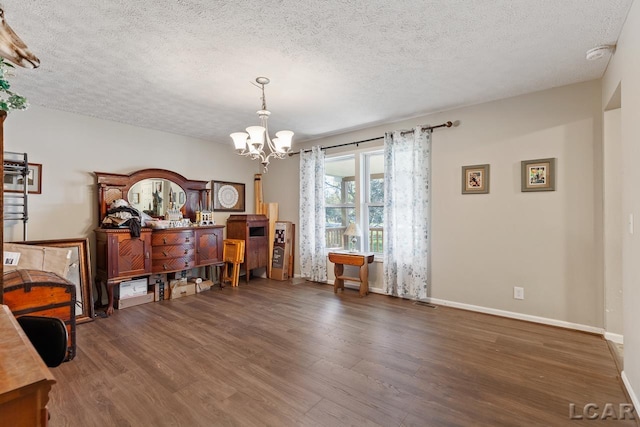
13, 49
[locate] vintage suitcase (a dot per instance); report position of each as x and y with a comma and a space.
42, 293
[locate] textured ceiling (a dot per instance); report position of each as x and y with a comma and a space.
185, 66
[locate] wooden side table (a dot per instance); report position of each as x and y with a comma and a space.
358, 259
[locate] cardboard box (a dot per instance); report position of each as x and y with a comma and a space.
181, 288
160, 290
282, 258
133, 288
205, 285
133, 301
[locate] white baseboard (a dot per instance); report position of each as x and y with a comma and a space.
632, 394
616, 338
503, 313
519, 316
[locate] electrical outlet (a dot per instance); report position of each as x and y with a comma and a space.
518, 292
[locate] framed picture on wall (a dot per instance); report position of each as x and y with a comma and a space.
475, 179
227, 196
538, 175
15, 183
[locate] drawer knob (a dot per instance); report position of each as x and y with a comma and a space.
186, 251
165, 253
164, 240
186, 264
186, 240
165, 266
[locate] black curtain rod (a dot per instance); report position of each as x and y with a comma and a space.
443, 125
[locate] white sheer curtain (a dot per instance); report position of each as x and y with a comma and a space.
407, 172
313, 261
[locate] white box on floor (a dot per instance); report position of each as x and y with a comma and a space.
133, 288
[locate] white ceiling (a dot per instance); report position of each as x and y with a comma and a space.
185, 66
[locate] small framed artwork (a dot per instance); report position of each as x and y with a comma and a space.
475, 179
15, 183
538, 175
227, 196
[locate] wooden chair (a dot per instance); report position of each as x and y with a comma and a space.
233, 256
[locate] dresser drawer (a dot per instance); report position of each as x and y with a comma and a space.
159, 238
173, 251
172, 264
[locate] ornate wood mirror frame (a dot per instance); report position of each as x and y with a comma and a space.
113, 186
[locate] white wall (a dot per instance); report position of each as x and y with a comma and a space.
71, 147
484, 245
613, 222
624, 70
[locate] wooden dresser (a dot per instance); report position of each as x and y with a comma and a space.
254, 230
25, 380
121, 257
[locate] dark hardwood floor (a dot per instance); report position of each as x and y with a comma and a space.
284, 354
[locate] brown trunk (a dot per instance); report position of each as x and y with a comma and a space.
42, 293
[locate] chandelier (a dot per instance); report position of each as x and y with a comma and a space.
251, 143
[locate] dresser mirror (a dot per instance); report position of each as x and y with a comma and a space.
152, 191
154, 196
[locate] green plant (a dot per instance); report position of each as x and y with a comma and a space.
9, 100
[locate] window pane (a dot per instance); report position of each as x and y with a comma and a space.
339, 182
332, 190
336, 224
349, 190
376, 178
376, 185
376, 229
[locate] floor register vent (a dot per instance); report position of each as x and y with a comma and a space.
426, 304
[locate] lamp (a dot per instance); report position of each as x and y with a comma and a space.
251, 143
353, 231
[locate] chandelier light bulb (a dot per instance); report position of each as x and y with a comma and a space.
284, 138
239, 140
256, 135
278, 145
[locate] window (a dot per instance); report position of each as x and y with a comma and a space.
354, 192
339, 198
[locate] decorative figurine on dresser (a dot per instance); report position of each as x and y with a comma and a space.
168, 238
254, 230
